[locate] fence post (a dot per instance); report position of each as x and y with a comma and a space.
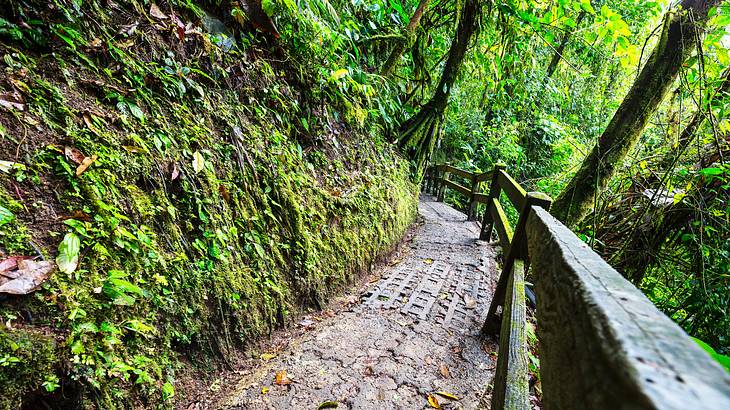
472, 213
434, 179
517, 250
494, 191
424, 181
441, 187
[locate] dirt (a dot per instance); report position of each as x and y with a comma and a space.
196, 389
411, 333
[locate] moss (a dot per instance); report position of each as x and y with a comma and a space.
27, 360
204, 223
14, 236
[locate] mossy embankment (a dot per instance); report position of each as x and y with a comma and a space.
229, 189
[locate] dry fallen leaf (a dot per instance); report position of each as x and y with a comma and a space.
267, 356
95, 43
433, 402
470, 302
8, 266
282, 379
429, 360
31, 275
12, 101
447, 395
74, 154
85, 164
133, 149
89, 123
444, 370
156, 12
307, 323
175, 172
224, 193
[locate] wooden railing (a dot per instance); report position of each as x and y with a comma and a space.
603, 344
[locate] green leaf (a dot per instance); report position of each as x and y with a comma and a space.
5, 215
711, 171
198, 162
68, 253
336, 75
136, 111
722, 359
586, 6
168, 391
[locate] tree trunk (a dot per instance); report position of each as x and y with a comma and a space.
561, 48
677, 41
419, 134
401, 46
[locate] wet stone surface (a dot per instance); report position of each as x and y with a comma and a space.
412, 333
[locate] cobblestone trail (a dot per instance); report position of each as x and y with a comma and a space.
412, 333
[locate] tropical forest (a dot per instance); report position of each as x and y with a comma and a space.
364, 204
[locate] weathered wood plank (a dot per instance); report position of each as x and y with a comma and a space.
482, 198
603, 344
494, 192
514, 191
485, 176
458, 171
458, 188
511, 390
501, 224
516, 250
475, 187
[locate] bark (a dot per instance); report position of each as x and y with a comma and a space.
418, 135
403, 45
561, 48
677, 42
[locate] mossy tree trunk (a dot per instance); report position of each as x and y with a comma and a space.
677, 42
401, 46
419, 134
558, 55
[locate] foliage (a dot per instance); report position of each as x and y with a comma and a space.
221, 192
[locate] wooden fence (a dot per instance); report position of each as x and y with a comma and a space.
603, 344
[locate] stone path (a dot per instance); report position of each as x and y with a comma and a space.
412, 333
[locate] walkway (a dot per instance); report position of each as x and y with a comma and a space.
413, 333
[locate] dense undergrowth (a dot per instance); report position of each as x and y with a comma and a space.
197, 184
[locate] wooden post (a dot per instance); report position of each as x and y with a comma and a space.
441, 188
472, 212
517, 250
510, 388
427, 179
431, 178
494, 191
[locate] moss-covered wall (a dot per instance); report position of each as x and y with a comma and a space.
210, 214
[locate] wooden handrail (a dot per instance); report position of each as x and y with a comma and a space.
512, 189
456, 187
603, 343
